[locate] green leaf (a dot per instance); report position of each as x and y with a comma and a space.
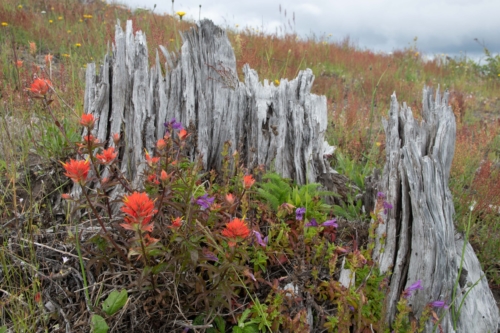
253, 328
236, 329
115, 301
159, 268
221, 324
98, 324
243, 318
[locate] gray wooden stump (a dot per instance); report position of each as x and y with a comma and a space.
418, 240
281, 127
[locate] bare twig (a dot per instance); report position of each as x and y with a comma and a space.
53, 249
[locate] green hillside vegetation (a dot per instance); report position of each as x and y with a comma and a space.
212, 253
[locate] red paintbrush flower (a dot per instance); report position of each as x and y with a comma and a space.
161, 144
40, 86
183, 134
87, 120
151, 160
236, 229
107, 156
77, 170
116, 138
248, 181
176, 223
139, 210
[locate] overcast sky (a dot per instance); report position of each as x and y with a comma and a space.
442, 26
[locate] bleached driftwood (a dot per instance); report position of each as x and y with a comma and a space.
280, 127
417, 240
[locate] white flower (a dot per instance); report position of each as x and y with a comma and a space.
65, 259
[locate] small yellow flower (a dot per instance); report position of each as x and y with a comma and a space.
78, 44
378, 144
498, 74
65, 55
69, 31
50, 21
171, 40
20, 6
87, 16
80, 20
4, 24
416, 54
60, 18
277, 82
181, 14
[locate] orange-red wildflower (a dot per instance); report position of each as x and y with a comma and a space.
77, 170
230, 198
107, 156
90, 138
40, 86
151, 160
19, 63
164, 176
148, 240
139, 210
176, 223
32, 47
66, 196
116, 138
236, 229
153, 179
87, 120
248, 181
183, 134
161, 144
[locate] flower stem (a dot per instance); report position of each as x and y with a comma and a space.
103, 227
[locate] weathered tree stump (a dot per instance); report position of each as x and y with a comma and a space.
281, 127
418, 240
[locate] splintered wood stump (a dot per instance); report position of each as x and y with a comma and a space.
281, 127
418, 239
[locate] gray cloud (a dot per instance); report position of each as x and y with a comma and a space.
442, 26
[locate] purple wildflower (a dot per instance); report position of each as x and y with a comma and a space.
381, 195
209, 255
387, 207
173, 124
330, 223
417, 285
351, 308
262, 242
312, 223
439, 304
204, 201
299, 213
